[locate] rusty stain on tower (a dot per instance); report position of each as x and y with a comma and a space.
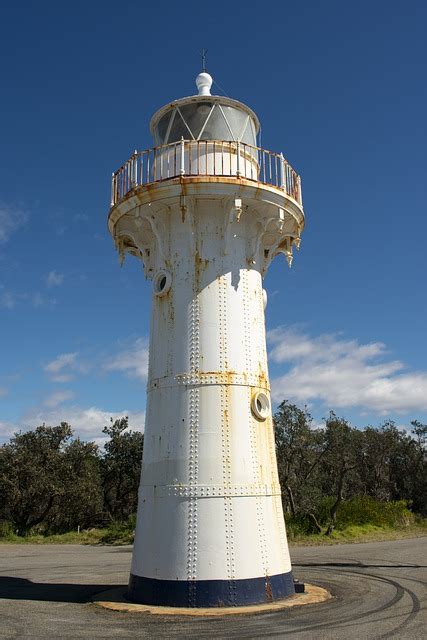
207, 210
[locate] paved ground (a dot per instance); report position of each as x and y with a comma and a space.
379, 591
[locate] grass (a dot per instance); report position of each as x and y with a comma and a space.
116, 534
93, 536
122, 534
361, 533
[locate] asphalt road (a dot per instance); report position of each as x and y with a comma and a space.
379, 592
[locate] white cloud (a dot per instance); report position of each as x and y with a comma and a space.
81, 217
86, 423
37, 300
63, 360
61, 377
7, 429
343, 373
132, 360
58, 397
63, 368
54, 279
11, 218
7, 300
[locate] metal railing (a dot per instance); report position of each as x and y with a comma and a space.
205, 158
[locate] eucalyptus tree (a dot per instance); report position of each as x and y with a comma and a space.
300, 450
32, 475
121, 469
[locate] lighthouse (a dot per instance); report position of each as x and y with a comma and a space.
206, 210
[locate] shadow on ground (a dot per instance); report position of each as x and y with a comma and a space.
22, 589
359, 565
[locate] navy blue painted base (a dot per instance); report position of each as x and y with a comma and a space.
210, 593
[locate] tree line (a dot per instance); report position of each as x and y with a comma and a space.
53, 482
323, 469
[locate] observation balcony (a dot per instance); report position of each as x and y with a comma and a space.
190, 158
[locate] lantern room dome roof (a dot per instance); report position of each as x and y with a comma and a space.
205, 117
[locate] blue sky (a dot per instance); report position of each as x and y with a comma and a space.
339, 87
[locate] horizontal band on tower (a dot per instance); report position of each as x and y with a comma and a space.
210, 593
209, 491
210, 378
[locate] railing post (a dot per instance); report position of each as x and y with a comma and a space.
299, 190
238, 160
272, 168
182, 155
113, 190
282, 172
135, 168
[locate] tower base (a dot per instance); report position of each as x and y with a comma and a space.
210, 593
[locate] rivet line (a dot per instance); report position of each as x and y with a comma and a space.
193, 462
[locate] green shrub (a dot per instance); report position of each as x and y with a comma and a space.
296, 527
6, 530
323, 510
359, 511
120, 532
365, 510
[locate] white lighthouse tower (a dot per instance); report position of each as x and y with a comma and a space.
207, 210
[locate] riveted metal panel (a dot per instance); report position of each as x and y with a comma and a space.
209, 502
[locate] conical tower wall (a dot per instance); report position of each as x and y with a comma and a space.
210, 527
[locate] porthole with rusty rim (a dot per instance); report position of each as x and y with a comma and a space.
162, 282
260, 405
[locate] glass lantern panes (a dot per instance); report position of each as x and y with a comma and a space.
205, 120
195, 115
179, 129
239, 124
216, 128
162, 127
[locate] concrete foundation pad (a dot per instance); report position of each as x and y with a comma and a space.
115, 600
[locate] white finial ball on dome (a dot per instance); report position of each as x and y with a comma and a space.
204, 83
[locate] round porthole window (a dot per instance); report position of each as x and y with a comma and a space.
162, 282
260, 405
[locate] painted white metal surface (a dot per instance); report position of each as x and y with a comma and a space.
204, 83
209, 503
